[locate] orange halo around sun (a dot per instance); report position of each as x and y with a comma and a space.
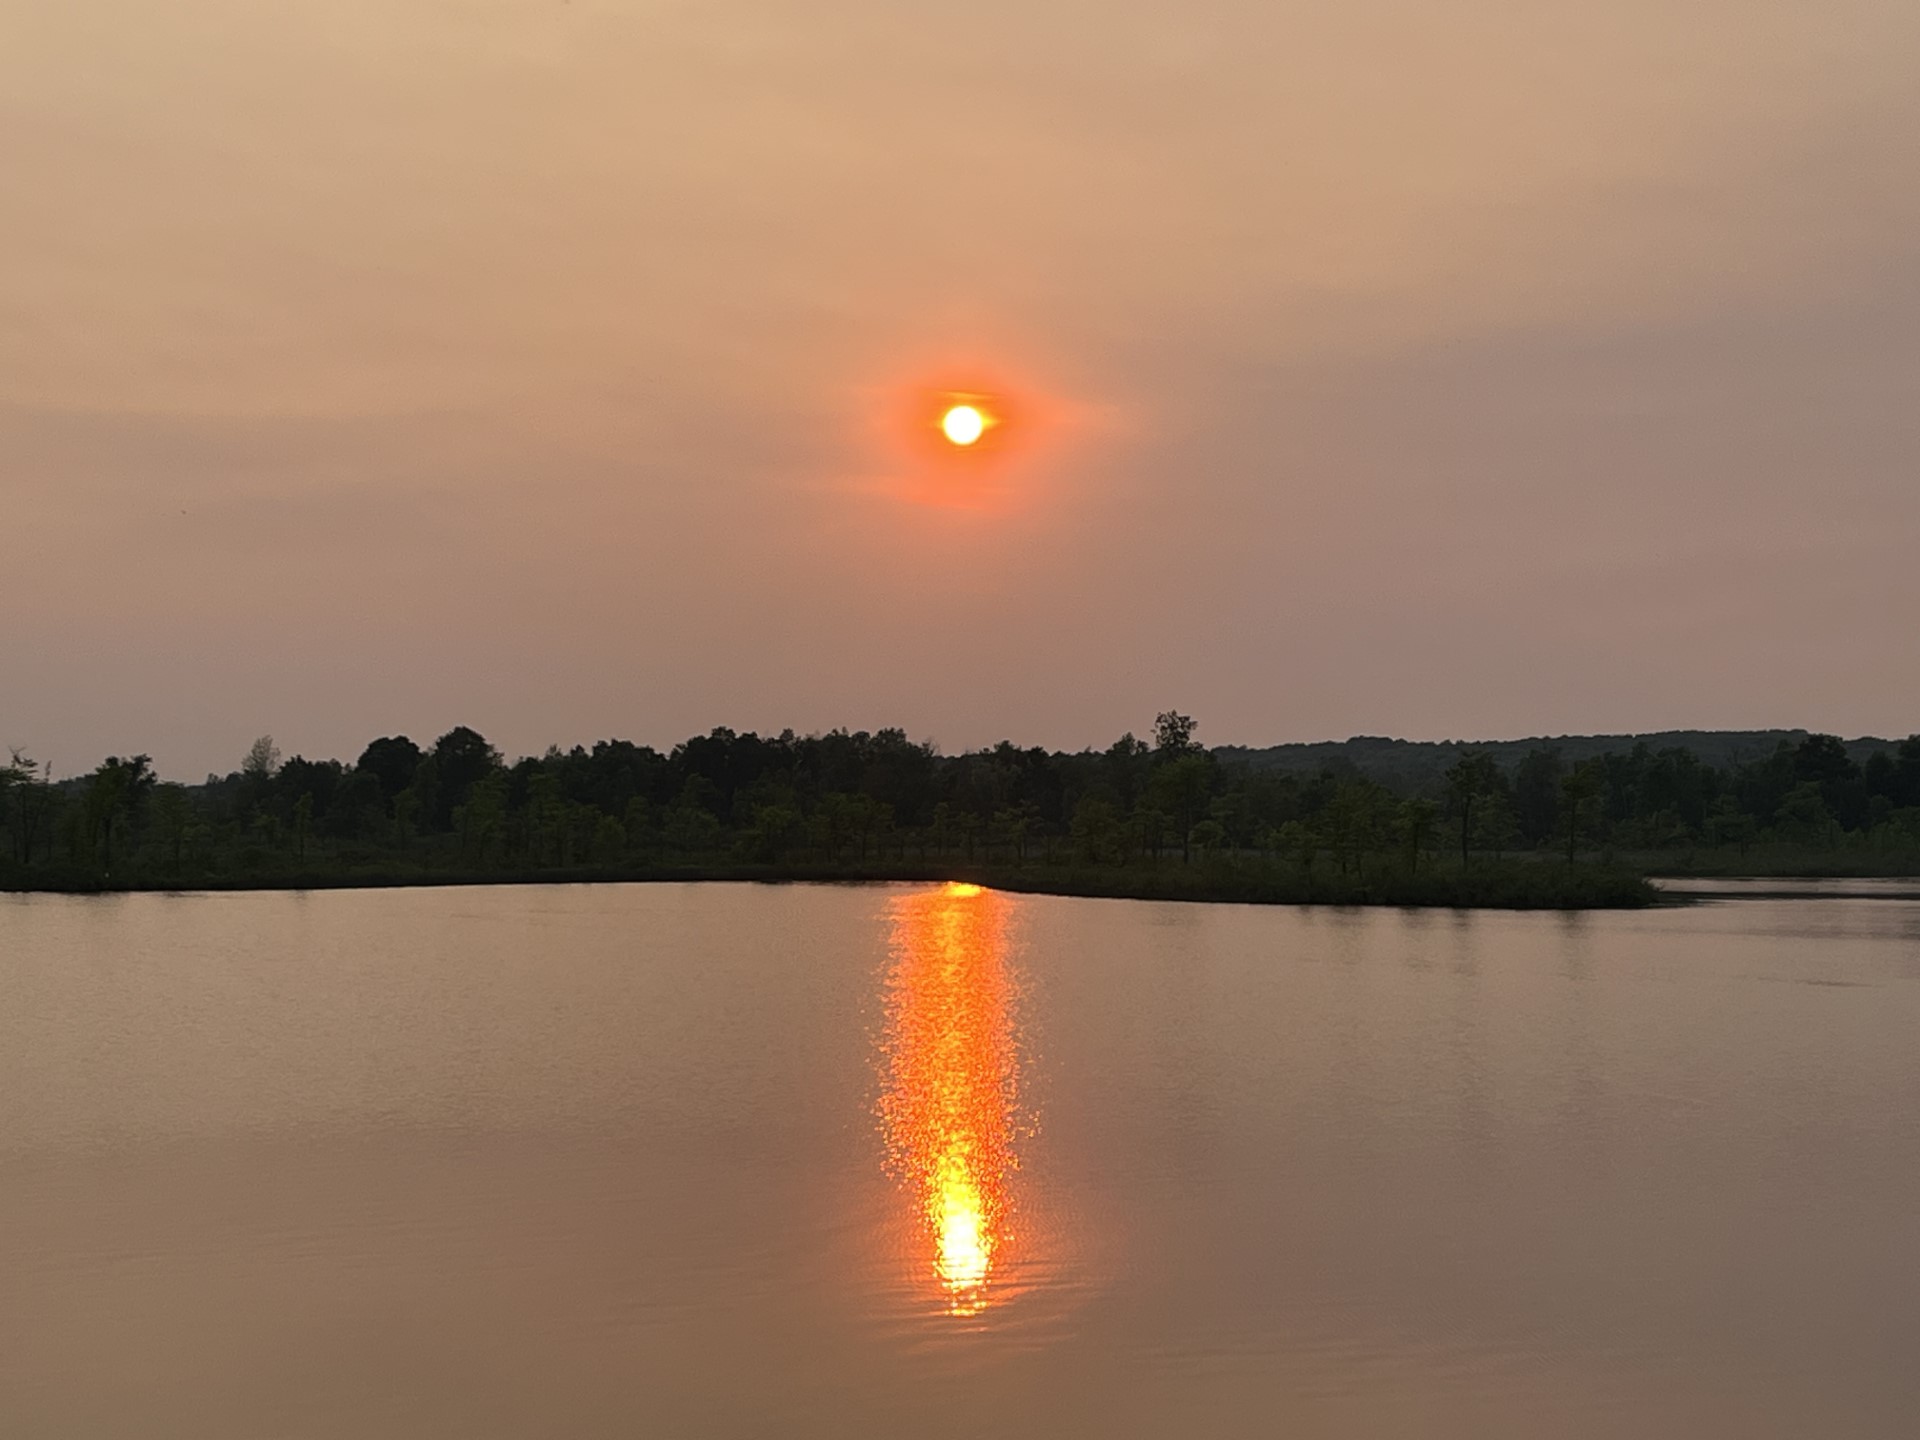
967, 437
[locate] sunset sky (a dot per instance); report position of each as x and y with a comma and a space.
563, 368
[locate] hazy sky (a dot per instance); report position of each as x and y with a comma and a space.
550, 366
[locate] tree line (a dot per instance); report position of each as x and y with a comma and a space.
863, 802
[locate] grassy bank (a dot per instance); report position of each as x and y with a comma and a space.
1798, 862
1511, 884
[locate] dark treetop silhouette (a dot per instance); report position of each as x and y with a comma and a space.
1491, 825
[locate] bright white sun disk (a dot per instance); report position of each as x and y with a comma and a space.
963, 424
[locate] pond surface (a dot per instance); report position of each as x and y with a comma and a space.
729, 1160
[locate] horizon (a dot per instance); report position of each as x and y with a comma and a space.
512, 754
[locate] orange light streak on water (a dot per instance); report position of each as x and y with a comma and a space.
953, 1079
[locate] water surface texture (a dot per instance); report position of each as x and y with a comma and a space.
840, 1161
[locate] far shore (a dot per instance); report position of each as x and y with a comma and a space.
1530, 883
1511, 885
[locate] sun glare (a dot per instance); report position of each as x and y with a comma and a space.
963, 424
953, 1076
966, 437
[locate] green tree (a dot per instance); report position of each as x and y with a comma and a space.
609, 839
1178, 790
407, 810
1473, 775
1019, 822
483, 818
835, 822
1803, 816
1153, 825
941, 830
1579, 804
1208, 836
543, 818
1495, 825
391, 760
1415, 824
638, 823
1297, 839
262, 759
693, 829
461, 759
1728, 824
1173, 735
257, 769
1095, 826
115, 790
1229, 811
774, 830
172, 814
302, 822
1353, 823
865, 815
16, 783
28, 795
1536, 796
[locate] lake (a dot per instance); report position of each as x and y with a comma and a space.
735, 1160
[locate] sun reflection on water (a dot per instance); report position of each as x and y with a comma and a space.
952, 1080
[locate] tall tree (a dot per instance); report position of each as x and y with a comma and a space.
1473, 775
1579, 800
262, 759
172, 813
118, 788
1173, 734
34, 804
1415, 824
462, 759
1179, 789
391, 760
1536, 795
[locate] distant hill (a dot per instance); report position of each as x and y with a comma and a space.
1411, 765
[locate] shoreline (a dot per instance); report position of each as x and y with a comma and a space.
1509, 887
1789, 887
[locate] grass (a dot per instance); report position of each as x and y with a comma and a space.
1779, 862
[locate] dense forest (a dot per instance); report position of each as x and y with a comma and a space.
1410, 766
1159, 816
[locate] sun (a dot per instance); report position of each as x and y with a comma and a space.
963, 424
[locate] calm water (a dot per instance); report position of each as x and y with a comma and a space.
756, 1161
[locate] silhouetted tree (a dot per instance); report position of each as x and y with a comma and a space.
1178, 789
1472, 775
391, 760
118, 788
1416, 826
1173, 734
1579, 795
1536, 796
461, 759
847, 797
172, 813
262, 759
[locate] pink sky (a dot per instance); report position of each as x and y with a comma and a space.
539, 365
